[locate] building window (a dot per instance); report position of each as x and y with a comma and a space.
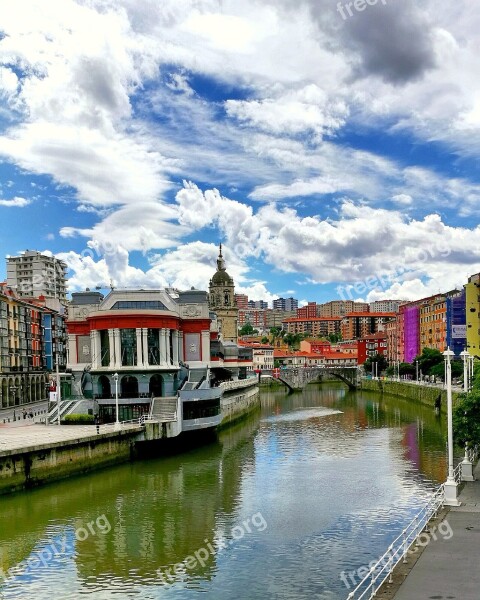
128, 341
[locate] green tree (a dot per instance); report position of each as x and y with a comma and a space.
439, 370
247, 329
293, 339
265, 340
378, 358
466, 419
430, 357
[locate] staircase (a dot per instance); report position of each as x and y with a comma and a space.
164, 409
66, 407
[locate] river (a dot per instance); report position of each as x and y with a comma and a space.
312, 485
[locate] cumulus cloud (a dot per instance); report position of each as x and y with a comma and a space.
15, 202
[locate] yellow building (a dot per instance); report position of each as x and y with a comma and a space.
472, 306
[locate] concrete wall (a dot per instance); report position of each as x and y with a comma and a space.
412, 391
32, 466
236, 406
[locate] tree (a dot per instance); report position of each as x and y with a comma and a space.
430, 357
379, 359
247, 329
466, 419
439, 370
265, 339
466, 415
292, 339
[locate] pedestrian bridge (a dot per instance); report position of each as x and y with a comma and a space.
297, 378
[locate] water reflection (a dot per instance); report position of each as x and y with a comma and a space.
334, 474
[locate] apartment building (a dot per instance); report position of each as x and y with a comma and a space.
386, 305
313, 326
255, 316
33, 274
307, 312
27, 349
241, 300
340, 308
371, 345
359, 325
472, 314
285, 304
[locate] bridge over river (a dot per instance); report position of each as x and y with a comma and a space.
297, 378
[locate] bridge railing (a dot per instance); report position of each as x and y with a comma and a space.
398, 549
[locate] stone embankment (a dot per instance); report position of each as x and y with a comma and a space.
425, 394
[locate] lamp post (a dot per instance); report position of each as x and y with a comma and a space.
465, 354
471, 366
117, 422
451, 487
416, 366
13, 389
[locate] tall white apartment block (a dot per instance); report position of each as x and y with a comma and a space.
33, 274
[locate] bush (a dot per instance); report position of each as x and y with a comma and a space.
79, 419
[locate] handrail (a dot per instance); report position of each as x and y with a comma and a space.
398, 549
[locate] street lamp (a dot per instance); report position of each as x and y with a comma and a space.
13, 389
117, 422
451, 487
465, 354
471, 366
416, 365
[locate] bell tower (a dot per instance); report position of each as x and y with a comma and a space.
222, 301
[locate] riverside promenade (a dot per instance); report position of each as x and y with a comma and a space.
449, 568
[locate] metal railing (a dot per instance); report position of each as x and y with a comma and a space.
398, 550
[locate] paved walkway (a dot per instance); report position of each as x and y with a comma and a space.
448, 568
18, 436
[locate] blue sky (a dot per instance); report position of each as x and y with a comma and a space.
322, 151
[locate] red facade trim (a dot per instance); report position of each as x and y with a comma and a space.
110, 321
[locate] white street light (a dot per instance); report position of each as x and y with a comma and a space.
117, 422
451, 487
471, 367
416, 364
465, 357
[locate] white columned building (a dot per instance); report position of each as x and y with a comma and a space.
138, 334
111, 345
167, 339
145, 346
175, 347
206, 346
118, 348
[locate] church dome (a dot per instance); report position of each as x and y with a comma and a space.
221, 277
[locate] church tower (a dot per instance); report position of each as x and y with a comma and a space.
222, 301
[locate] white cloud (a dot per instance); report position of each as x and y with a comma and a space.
15, 202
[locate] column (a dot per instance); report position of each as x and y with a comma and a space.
138, 333
98, 350
167, 340
181, 355
175, 347
111, 348
163, 347
92, 349
72, 350
118, 348
205, 346
145, 346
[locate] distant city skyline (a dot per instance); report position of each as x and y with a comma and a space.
331, 158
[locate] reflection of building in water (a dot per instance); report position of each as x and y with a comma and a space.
160, 511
